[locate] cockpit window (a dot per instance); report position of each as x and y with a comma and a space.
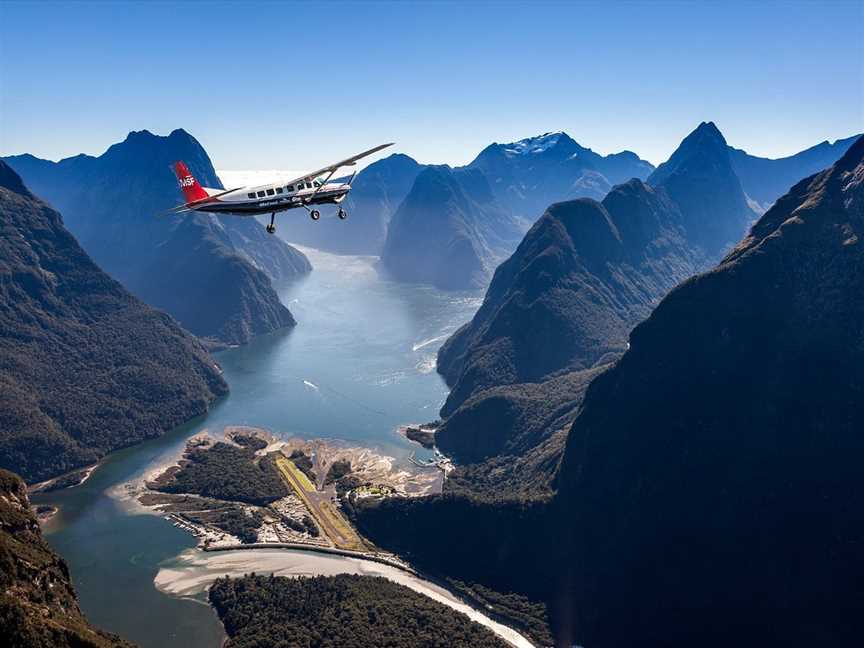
278, 189
289, 188
251, 195
308, 185
316, 182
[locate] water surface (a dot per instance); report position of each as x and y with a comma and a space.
359, 363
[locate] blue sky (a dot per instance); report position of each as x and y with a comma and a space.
293, 85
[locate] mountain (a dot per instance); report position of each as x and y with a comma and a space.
38, 604
717, 465
525, 177
449, 231
85, 367
582, 277
587, 272
708, 493
765, 180
528, 175
375, 195
211, 273
700, 179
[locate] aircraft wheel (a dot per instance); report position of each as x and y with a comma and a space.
315, 214
343, 214
271, 229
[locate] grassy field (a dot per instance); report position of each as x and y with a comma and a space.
329, 519
296, 473
352, 540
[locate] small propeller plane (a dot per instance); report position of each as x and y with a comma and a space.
306, 191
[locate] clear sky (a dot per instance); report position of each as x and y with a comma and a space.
274, 85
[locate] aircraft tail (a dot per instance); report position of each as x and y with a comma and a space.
192, 190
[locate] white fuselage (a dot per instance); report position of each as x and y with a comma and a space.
276, 197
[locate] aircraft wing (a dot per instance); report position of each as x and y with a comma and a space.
338, 165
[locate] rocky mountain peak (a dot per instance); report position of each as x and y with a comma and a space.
12, 181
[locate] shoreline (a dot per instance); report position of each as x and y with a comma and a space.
334, 551
471, 601
369, 468
198, 569
50, 485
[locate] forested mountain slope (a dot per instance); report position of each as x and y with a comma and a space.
85, 367
38, 605
213, 274
708, 490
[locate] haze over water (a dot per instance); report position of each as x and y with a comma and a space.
359, 363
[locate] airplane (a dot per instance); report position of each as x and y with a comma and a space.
311, 189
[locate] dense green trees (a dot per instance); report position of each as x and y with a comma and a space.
85, 367
344, 611
338, 470
249, 441
38, 605
508, 545
304, 464
227, 472
239, 523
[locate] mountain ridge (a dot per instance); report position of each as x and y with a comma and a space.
587, 272
708, 486
85, 367
774, 329
449, 231
111, 202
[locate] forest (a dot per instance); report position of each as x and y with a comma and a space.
348, 611
227, 472
497, 547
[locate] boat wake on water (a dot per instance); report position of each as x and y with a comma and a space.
426, 343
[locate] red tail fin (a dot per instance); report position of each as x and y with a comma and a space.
191, 189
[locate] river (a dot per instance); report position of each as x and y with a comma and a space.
360, 362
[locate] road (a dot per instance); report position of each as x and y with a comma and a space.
329, 519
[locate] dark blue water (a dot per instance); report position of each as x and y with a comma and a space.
359, 363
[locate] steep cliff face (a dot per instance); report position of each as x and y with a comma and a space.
449, 231
569, 295
708, 494
565, 302
85, 367
111, 204
38, 605
587, 272
700, 179
712, 476
375, 196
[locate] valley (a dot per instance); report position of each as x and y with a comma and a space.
355, 371
518, 324
311, 450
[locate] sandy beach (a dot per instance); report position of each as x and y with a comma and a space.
191, 573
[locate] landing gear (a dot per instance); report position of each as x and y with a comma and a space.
271, 228
342, 214
315, 214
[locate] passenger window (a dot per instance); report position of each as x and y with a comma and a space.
290, 188
270, 192
260, 194
278, 189
308, 185
251, 195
